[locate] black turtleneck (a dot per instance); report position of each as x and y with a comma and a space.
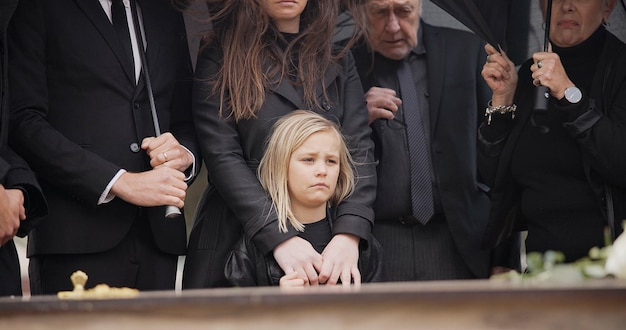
561, 210
580, 61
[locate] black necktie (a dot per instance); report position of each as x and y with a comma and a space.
419, 147
120, 23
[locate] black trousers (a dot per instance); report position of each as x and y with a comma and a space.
420, 252
10, 278
136, 262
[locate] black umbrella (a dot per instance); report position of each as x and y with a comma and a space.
486, 18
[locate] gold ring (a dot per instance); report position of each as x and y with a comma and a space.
165, 156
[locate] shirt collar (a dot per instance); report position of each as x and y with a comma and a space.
420, 49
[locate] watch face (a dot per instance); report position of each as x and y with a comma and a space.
573, 94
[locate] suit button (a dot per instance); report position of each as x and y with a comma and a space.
326, 106
136, 105
134, 147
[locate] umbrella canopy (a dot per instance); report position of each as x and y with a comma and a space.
486, 18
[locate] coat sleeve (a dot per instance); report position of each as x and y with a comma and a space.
355, 214
19, 176
598, 122
81, 172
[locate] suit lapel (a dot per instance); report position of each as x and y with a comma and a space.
436, 74
98, 17
146, 16
286, 89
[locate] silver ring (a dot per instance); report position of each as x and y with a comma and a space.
539, 64
165, 156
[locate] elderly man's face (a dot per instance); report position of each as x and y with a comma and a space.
392, 26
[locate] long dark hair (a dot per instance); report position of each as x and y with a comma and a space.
253, 59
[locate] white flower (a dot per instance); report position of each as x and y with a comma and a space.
616, 260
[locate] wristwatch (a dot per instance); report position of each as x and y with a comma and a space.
573, 94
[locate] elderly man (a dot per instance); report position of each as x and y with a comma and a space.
424, 96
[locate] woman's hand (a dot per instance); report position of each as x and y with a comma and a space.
499, 73
298, 255
341, 257
548, 71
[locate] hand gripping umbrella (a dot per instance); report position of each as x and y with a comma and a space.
170, 211
487, 18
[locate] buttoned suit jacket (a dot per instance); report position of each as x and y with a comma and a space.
456, 92
78, 117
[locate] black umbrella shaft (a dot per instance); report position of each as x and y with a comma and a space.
542, 92
546, 38
144, 66
170, 211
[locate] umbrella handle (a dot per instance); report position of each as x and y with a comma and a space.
541, 99
172, 212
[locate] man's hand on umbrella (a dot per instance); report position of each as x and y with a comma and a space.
165, 150
160, 186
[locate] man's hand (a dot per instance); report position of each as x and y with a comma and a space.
298, 255
382, 103
11, 212
165, 150
341, 257
160, 186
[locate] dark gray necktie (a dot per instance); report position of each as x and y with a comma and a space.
120, 23
419, 147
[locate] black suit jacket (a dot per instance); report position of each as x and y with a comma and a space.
457, 93
14, 172
78, 117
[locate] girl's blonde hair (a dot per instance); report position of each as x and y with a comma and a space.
288, 134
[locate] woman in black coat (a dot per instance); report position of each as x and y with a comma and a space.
260, 63
561, 174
